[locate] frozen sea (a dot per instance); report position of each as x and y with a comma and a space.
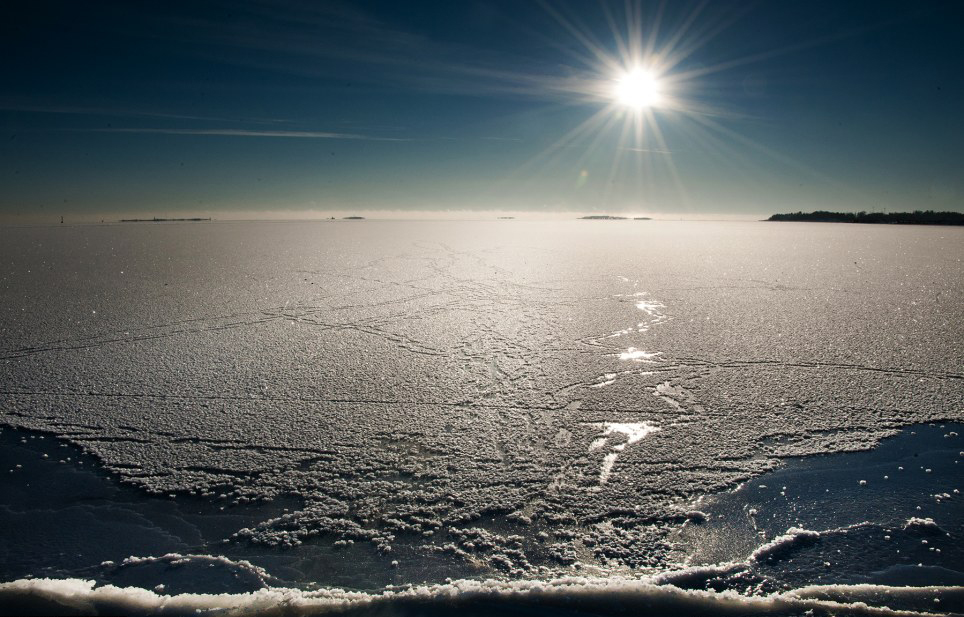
513, 417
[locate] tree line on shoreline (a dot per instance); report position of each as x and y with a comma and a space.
917, 217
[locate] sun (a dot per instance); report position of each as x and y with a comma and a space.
638, 89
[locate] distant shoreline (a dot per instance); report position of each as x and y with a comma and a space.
917, 217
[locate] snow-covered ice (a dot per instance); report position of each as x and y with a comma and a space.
394, 403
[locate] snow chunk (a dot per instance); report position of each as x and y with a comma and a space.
795, 536
922, 523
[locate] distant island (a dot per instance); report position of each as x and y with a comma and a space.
157, 220
353, 218
506, 218
602, 217
917, 217
641, 218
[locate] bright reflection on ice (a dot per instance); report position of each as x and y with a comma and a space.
634, 431
597, 443
607, 467
653, 309
638, 355
605, 380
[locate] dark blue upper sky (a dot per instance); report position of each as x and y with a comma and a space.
292, 108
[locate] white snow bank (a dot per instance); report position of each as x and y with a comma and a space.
577, 593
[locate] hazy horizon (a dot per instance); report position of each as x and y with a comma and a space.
371, 215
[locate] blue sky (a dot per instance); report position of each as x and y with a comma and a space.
298, 109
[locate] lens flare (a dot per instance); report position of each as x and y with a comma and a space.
637, 89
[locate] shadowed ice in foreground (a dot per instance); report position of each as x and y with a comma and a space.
811, 522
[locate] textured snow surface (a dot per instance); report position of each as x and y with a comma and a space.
497, 399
